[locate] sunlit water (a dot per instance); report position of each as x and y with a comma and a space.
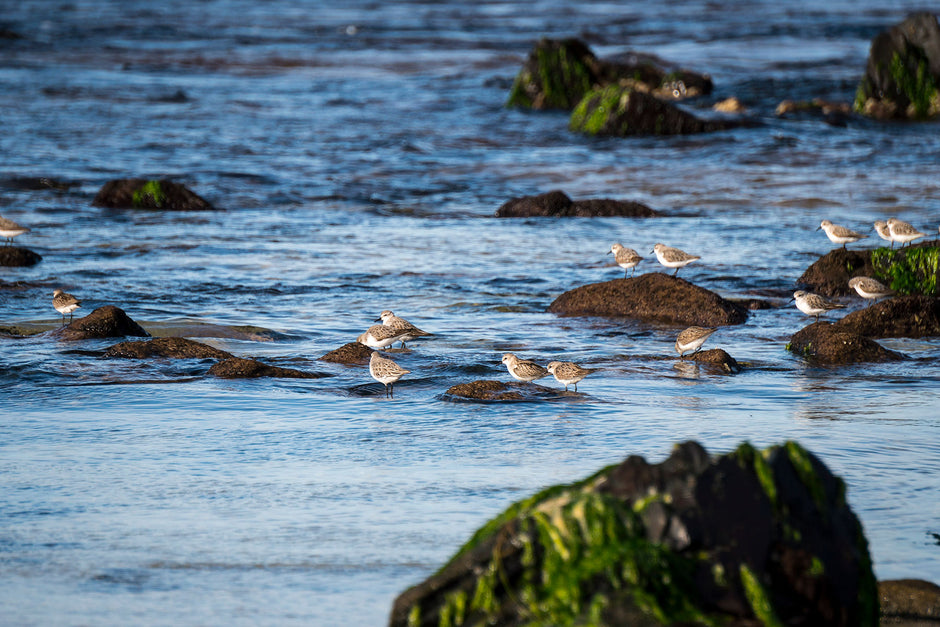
358, 154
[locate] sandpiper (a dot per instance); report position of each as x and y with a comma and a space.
10, 229
692, 339
65, 304
385, 371
839, 234
626, 258
881, 227
380, 336
388, 319
523, 369
569, 372
903, 232
869, 288
813, 304
673, 257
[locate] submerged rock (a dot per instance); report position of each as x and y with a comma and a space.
716, 357
17, 256
904, 316
149, 194
826, 343
486, 390
557, 204
653, 296
169, 347
240, 368
902, 78
351, 353
747, 538
107, 321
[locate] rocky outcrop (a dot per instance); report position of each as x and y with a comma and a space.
351, 353
18, 257
655, 297
826, 343
747, 538
904, 601
239, 368
557, 204
167, 347
107, 321
914, 269
486, 390
829, 275
904, 316
902, 78
149, 194
715, 357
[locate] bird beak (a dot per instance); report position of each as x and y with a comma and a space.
818, 227
791, 300
377, 320
609, 252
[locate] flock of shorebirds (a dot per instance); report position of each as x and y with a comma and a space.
393, 329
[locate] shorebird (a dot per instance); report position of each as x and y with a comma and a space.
869, 288
569, 372
813, 304
881, 227
903, 232
523, 369
692, 339
65, 304
839, 234
10, 229
380, 336
385, 371
388, 319
673, 257
626, 258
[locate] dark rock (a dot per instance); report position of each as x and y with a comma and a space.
239, 368
149, 194
827, 343
107, 321
622, 111
747, 538
36, 183
169, 347
653, 296
352, 353
904, 316
715, 356
902, 78
909, 599
830, 274
16, 256
833, 113
557, 204
500, 391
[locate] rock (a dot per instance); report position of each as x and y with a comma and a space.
653, 296
729, 105
170, 347
17, 256
107, 321
500, 391
902, 78
830, 274
909, 599
715, 356
904, 316
832, 112
351, 353
239, 368
826, 343
623, 111
747, 538
149, 194
557, 204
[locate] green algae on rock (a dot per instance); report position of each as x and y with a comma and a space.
149, 194
750, 535
910, 270
556, 75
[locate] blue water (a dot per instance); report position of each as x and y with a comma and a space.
358, 154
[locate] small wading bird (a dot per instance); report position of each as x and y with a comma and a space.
626, 258
839, 234
881, 227
568, 372
673, 257
386, 371
869, 288
903, 232
692, 339
380, 336
388, 319
523, 369
10, 229
813, 304
65, 304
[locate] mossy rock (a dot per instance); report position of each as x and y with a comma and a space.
624, 111
909, 270
556, 75
149, 194
829, 275
750, 537
902, 79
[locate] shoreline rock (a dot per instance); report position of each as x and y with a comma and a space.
826, 343
557, 204
149, 194
103, 322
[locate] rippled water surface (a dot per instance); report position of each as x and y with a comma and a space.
358, 152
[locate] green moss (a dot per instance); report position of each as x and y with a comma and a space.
454, 610
750, 458
595, 110
414, 616
916, 83
908, 270
150, 194
816, 567
758, 597
868, 599
803, 465
561, 78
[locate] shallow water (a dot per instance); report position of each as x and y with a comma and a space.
359, 154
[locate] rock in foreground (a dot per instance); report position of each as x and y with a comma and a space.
107, 321
167, 347
748, 538
826, 343
239, 368
18, 257
500, 391
557, 204
149, 194
653, 296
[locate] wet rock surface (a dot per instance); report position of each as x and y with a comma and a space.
903, 316
18, 257
653, 296
487, 390
240, 368
748, 538
829, 275
827, 343
168, 347
103, 322
715, 357
351, 353
149, 194
557, 204
904, 601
